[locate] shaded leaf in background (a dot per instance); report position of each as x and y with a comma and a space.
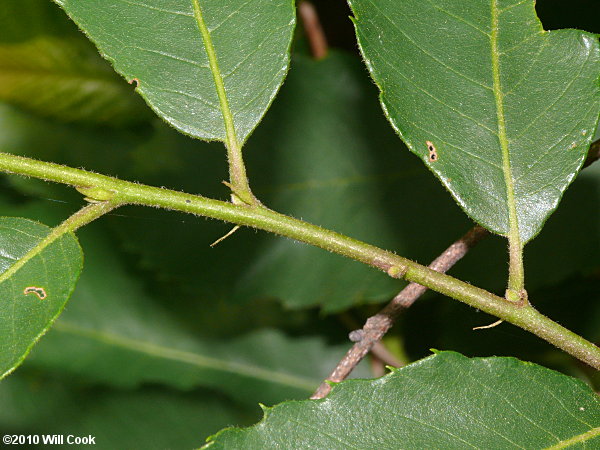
444, 401
159, 44
149, 418
493, 104
325, 154
48, 67
32, 297
116, 333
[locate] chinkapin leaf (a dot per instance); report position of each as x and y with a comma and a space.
34, 286
182, 52
445, 401
502, 111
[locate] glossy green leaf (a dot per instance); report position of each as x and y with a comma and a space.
499, 109
34, 285
116, 333
444, 401
179, 52
47, 67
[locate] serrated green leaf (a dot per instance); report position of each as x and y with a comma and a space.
444, 401
198, 64
34, 286
501, 110
50, 69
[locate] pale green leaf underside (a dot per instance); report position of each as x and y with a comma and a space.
526, 129
34, 295
444, 401
159, 44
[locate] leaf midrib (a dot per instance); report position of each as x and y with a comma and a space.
231, 137
193, 359
513, 232
31, 253
578, 439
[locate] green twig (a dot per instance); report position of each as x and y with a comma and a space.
124, 192
238, 179
516, 273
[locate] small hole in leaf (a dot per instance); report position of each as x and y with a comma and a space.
40, 292
188, 201
433, 156
135, 81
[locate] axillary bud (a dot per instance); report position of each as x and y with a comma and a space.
96, 194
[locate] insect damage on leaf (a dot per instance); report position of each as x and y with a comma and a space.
433, 156
40, 292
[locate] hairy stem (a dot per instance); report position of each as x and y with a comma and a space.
237, 170
516, 272
379, 324
522, 315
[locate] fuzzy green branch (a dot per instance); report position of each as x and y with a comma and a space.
238, 179
516, 274
260, 217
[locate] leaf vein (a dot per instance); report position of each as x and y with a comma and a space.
549, 149
500, 11
433, 5
254, 51
156, 8
185, 94
545, 388
439, 139
233, 13
434, 58
521, 42
321, 431
452, 108
497, 394
529, 69
169, 55
566, 89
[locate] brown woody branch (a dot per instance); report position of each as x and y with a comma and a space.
313, 30
379, 324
